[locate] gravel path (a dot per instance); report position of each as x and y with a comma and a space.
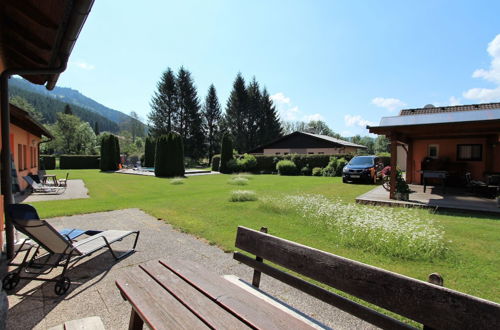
93, 292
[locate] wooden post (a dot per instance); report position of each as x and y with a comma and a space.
394, 165
409, 162
437, 279
256, 273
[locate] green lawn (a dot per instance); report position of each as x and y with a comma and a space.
201, 206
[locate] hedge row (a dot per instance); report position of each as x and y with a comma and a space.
47, 162
67, 162
267, 163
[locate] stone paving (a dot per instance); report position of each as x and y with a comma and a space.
93, 291
76, 189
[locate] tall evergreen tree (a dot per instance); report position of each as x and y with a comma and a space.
190, 123
67, 110
96, 128
253, 115
212, 116
164, 106
236, 110
270, 125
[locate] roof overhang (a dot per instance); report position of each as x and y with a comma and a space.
23, 119
39, 35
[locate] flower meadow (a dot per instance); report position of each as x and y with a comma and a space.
393, 232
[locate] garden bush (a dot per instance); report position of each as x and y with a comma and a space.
226, 153
317, 171
110, 153
47, 162
286, 167
242, 196
246, 163
215, 162
335, 166
149, 152
232, 166
238, 181
306, 170
67, 162
169, 157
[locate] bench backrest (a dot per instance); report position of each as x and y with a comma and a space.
432, 305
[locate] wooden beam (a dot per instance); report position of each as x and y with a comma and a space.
26, 54
32, 13
26, 35
394, 165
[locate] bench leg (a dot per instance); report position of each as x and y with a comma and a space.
136, 322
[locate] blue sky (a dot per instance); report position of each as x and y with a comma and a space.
345, 62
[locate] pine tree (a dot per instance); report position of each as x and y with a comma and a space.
190, 121
236, 110
226, 153
254, 115
164, 107
212, 116
96, 128
269, 123
67, 110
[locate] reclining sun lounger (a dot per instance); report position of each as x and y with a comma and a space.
41, 188
60, 251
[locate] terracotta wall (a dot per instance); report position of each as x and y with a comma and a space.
448, 149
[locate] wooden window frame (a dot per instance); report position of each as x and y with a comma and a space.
472, 159
429, 151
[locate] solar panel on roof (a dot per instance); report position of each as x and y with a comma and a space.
440, 118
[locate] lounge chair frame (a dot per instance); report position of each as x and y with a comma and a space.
37, 263
41, 188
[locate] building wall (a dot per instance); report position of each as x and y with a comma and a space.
448, 149
24, 148
315, 151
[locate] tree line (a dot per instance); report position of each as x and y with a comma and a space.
250, 116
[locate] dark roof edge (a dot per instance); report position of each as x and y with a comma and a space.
27, 116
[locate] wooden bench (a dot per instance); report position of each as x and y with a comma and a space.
430, 304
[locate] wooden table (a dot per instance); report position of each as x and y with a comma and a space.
52, 177
175, 294
441, 175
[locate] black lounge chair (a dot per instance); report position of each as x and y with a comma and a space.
60, 251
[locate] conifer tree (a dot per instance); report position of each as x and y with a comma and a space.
212, 117
226, 153
270, 125
67, 110
253, 116
164, 107
236, 110
149, 152
190, 121
96, 128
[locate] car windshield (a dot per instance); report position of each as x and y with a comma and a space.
362, 161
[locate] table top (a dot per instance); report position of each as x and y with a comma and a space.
49, 175
180, 294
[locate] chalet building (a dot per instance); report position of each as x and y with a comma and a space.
36, 40
25, 137
307, 143
454, 139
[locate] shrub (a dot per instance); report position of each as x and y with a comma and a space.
266, 164
246, 163
317, 171
305, 171
286, 167
232, 166
149, 152
215, 162
47, 162
341, 163
242, 196
110, 153
335, 166
226, 153
67, 162
169, 157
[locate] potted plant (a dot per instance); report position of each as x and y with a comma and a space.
402, 189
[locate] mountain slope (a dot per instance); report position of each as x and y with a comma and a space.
73, 97
50, 106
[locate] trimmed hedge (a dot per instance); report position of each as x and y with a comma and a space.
215, 162
110, 153
149, 152
286, 167
47, 162
226, 153
169, 158
73, 162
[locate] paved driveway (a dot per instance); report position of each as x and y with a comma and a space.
93, 292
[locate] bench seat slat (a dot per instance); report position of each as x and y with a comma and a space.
254, 311
157, 309
426, 303
205, 308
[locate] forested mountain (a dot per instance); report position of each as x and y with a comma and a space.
72, 96
50, 106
